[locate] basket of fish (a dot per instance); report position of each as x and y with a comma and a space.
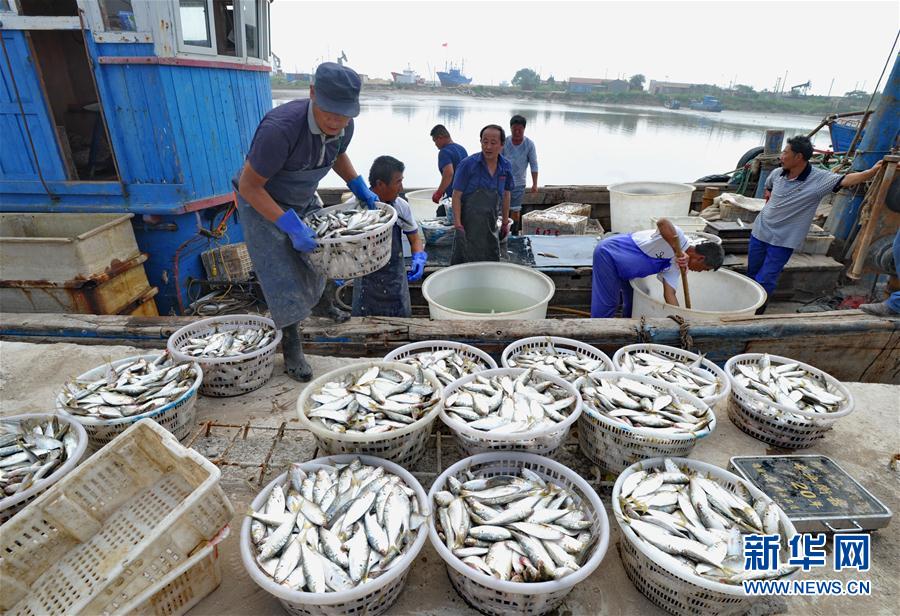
109, 399
784, 402
336, 535
563, 357
683, 526
516, 531
353, 242
508, 409
627, 418
691, 372
448, 361
36, 451
113, 528
378, 408
236, 352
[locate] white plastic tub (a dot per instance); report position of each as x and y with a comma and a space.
421, 204
488, 290
722, 293
632, 205
685, 223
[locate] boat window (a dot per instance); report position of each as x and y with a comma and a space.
49, 8
223, 12
4, 5
250, 20
118, 15
195, 23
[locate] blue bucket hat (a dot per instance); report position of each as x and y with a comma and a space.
337, 89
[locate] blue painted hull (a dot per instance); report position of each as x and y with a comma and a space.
453, 78
842, 136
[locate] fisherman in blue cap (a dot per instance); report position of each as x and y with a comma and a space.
295, 146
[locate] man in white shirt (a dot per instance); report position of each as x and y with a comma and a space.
521, 153
622, 258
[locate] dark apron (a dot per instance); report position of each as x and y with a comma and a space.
384, 293
481, 241
290, 283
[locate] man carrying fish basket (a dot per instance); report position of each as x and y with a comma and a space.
385, 292
622, 258
295, 146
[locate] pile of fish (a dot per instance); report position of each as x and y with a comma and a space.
568, 366
506, 405
698, 521
686, 375
130, 389
517, 528
788, 385
347, 223
228, 343
334, 529
378, 400
635, 404
447, 365
32, 449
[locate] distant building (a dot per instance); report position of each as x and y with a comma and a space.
586, 85
670, 87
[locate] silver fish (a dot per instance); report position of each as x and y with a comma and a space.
567, 364
688, 375
31, 450
228, 343
302, 547
447, 365
790, 386
346, 223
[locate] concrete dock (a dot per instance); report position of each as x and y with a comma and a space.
254, 437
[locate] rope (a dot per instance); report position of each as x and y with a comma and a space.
643, 334
687, 341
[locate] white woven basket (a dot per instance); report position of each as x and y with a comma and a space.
707, 369
403, 446
614, 446
496, 597
357, 255
563, 346
235, 375
480, 359
11, 505
185, 586
543, 441
371, 598
178, 417
663, 579
775, 423
114, 527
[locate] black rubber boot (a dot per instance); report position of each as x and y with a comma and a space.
295, 364
326, 306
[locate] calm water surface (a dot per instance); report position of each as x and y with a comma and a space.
575, 144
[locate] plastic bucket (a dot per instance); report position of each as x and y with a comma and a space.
632, 205
488, 291
421, 204
722, 293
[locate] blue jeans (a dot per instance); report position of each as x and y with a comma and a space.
765, 262
893, 301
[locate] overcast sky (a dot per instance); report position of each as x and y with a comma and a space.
717, 42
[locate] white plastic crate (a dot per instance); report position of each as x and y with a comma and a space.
403, 446
706, 369
661, 578
613, 446
357, 255
775, 423
543, 441
178, 417
113, 528
11, 505
235, 375
371, 598
496, 597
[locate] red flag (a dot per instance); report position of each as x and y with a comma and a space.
443, 44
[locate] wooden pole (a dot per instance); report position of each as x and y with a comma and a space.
888, 167
676, 246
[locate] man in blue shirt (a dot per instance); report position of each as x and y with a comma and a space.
521, 153
481, 190
295, 146
449, 156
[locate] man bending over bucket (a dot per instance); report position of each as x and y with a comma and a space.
622, 258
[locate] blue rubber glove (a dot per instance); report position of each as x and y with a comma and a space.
418, 266
302, 237
358, 187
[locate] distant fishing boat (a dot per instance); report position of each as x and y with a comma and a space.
453, 77
709, 103
408, 76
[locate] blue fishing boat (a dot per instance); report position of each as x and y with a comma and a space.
709, 103
135, 106
453, 77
